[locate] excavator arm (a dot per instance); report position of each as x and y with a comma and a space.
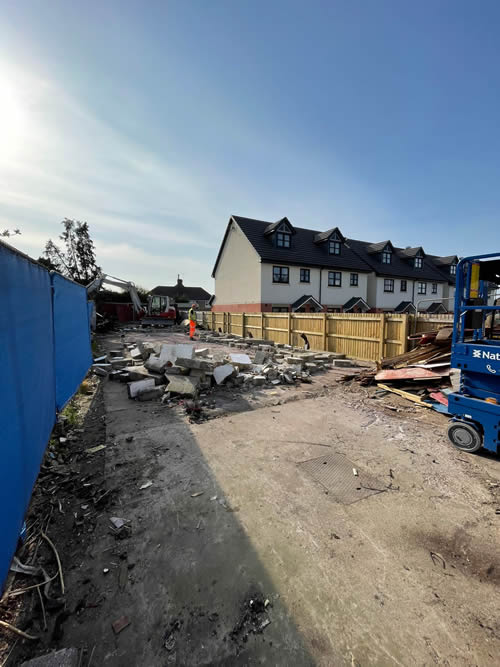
104, 279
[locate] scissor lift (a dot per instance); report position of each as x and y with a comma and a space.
476, 353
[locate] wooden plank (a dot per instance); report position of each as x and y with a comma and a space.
324, 330
404, 394
289, 329
410, 373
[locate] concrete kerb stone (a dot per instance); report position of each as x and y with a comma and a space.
135, 388
182, 385
221, 373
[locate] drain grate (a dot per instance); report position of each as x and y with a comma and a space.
334, 472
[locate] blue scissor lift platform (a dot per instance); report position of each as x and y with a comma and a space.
476, 353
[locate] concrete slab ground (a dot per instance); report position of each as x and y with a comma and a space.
408, 576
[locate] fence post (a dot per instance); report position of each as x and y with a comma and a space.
243, 325
382, 337
324, 332
404, 333
262, 326
289, 328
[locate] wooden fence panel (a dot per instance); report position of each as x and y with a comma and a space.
430, 322
356, 335
276, 327
236, 324
366, 336
309, 324
253, 324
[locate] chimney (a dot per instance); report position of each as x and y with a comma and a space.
179, 281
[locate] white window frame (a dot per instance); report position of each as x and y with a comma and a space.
453, 269
386, 257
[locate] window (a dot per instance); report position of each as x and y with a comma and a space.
334, 279
354, 280
434, 288
280, 274
403, 286
279, 309
334, 247
419, 262
283, 239
386, 257
453, 270
422, 288
305, 276
388, 285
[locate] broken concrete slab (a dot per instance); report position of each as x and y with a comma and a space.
295, 360
183, 385
221, 373
202, 352
259, 379
136, 353
150, 394
343, 363
136, 373
66, 657
260, 357
241, 360
100, 370
135, 388
198, 364
156, 364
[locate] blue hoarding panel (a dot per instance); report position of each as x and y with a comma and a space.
73, 355
27, 389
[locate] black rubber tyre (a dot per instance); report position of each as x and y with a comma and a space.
465, 436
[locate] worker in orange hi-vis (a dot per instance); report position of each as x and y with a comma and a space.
192, 321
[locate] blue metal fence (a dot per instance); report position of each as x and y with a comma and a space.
45, 353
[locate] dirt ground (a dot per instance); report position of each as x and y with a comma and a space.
235, 555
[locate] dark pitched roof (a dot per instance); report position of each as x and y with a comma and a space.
445, 261
178, 291
412, 252
274, 225
372, 248
442, 265
303, 249
399, 266
303, 300
324, 236
354, 301
436, 307
404, 306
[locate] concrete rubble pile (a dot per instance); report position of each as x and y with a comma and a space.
169, 371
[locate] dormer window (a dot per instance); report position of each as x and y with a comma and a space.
419, 262
283, 239
453, 270
333, 247
386, 256
283, 236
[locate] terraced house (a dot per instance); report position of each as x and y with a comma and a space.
273, 266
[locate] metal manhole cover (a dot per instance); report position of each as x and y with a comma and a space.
335, 473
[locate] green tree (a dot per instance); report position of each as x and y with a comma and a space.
77, 258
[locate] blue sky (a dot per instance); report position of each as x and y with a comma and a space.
155, 121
